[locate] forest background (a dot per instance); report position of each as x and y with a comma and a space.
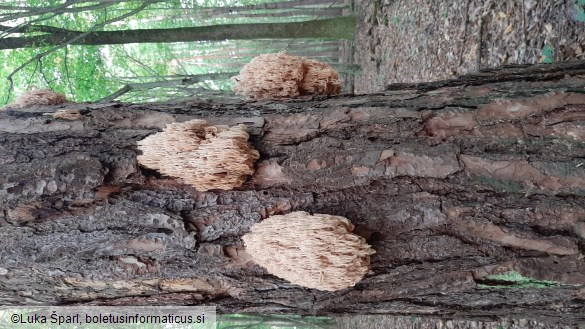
46, 44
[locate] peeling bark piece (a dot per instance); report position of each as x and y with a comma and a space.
511, 109
519, 171
451, 124
563, 130
554, 115
80, 289
270, 173
494, 233
67, 115
315, 251
402, 163
187, 284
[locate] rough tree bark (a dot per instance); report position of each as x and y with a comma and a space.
450, 182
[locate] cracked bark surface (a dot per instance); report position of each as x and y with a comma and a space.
450, 182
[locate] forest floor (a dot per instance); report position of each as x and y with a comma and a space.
427, 40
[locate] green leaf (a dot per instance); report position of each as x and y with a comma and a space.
515, 280
581, 13
547, 52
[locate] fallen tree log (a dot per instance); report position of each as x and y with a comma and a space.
456, 185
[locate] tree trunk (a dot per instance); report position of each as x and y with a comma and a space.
213, 11
450, 182
334, 28
316, 12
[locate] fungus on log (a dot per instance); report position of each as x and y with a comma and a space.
281, 76
37, 96
453, 183
315, 251
205, 156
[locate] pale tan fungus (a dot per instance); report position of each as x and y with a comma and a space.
319, 79
67, 115
314, 251
205, 156
38, 97
280, 76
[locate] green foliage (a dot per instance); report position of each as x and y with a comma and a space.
514, 280
258, 321
547, 52
90, 73
580, 16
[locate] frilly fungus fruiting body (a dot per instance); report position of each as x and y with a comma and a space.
315, 251
279, 76
205, 156
38, 97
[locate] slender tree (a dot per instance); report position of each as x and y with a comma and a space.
337, 28
266, 6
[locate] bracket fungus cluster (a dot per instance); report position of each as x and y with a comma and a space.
37, 96
315, 251
280, 76
205, 156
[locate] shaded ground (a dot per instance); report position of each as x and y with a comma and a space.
427, 40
